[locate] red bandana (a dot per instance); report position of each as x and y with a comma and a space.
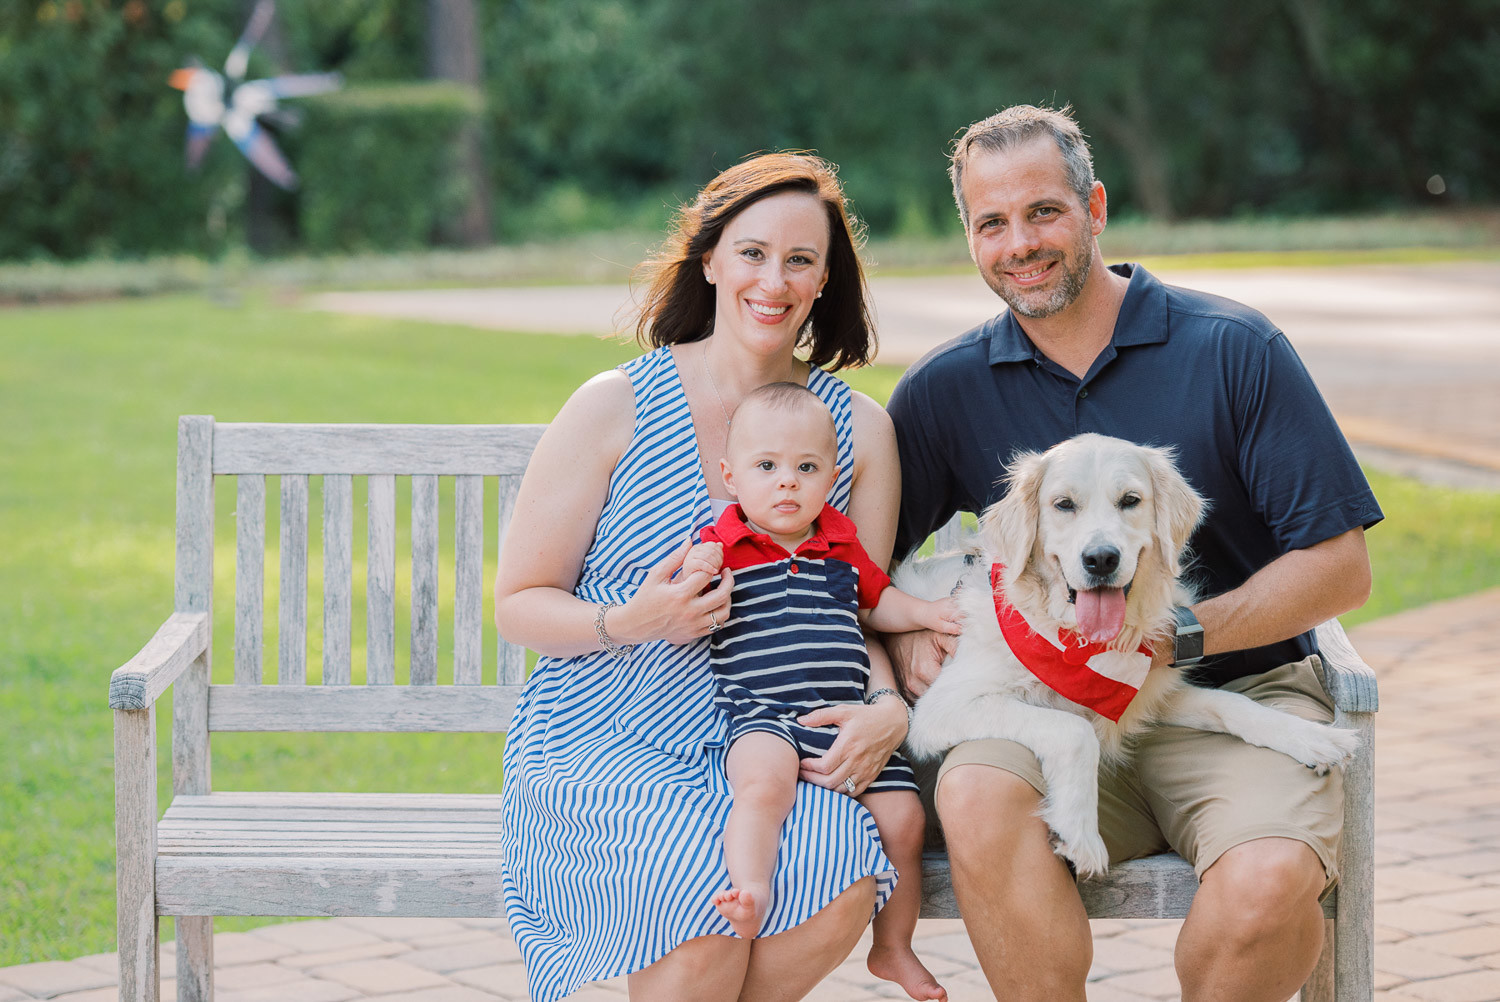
1066, 671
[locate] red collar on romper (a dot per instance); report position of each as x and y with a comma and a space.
1064, 671
832, 527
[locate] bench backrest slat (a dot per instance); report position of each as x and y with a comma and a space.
193, 591
338, 576
380, 582
424, 579
249, 577
512, 658
470, 708
339, 462
291, 637
468, 601
491, 450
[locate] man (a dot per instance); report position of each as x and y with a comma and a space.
1112, 350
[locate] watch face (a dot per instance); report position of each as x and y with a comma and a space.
1188, 645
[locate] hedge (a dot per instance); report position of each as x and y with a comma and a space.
379, 164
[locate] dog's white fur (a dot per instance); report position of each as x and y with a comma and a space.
1088, 491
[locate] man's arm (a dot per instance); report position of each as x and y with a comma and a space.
1289, 596
927, 482
927, 501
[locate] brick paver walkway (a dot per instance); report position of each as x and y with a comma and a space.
1437, 876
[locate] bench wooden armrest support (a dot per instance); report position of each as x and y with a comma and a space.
1349, 680
179, 645
138, 683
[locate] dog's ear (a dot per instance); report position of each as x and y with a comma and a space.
1009, 526
1178, 507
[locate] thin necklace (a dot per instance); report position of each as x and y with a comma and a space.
710, 373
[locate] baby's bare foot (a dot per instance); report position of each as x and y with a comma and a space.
744, 907
900, 964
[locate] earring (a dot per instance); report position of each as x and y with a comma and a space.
820, 295
708, 276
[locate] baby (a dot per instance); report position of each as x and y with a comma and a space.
792, 644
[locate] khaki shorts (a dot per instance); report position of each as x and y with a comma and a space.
1199, 793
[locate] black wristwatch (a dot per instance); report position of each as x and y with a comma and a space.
1188, 643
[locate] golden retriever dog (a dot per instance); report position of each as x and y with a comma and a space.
1085, 551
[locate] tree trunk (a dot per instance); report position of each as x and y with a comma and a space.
269, 216
453, 53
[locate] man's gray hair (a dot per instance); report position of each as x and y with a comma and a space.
1018, 124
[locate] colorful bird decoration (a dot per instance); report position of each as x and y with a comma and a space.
203, 95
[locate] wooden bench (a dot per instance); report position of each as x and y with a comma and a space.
329, 854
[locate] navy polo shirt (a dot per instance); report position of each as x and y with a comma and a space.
1207, 376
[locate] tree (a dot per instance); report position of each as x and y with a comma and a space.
453, 53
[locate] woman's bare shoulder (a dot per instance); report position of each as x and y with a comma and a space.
871, 422
599, 417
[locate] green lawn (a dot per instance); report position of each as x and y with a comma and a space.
89, 397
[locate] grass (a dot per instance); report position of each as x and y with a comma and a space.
89, 397
1406, 238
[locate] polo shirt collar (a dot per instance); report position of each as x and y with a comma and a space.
833, 527
1142, 320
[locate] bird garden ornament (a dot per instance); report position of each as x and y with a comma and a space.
208, 109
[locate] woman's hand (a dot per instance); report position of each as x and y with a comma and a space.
676, 609
867, 737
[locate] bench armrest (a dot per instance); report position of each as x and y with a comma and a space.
137, 683
1350, 681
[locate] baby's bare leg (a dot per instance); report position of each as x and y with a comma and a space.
898, 815
762, 770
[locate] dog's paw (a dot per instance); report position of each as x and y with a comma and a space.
923, 741
1086, 852
1322, 747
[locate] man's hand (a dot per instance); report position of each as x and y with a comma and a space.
917, 658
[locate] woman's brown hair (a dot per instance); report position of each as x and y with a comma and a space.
678, 306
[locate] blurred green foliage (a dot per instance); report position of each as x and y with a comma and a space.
383, 159
605, 113
91, 137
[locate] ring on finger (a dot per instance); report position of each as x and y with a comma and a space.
849, 784
715, 621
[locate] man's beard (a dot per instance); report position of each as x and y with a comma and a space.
1040, 305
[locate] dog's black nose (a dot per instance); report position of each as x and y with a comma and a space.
1101, 561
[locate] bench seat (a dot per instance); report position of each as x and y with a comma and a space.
1155, 887
330, 854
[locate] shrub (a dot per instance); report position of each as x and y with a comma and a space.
379, 164
91, 144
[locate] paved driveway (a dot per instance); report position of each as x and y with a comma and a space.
1407, 355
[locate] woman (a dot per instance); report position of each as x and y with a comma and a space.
615, 796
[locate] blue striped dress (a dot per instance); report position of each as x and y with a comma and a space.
615, 796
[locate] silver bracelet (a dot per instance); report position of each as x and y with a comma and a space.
620, 651
872, 697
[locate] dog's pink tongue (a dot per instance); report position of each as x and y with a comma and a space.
1101, 614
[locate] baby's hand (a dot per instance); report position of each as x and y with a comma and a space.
703, 560
944, 616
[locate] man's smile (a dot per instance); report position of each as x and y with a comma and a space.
1031, 276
